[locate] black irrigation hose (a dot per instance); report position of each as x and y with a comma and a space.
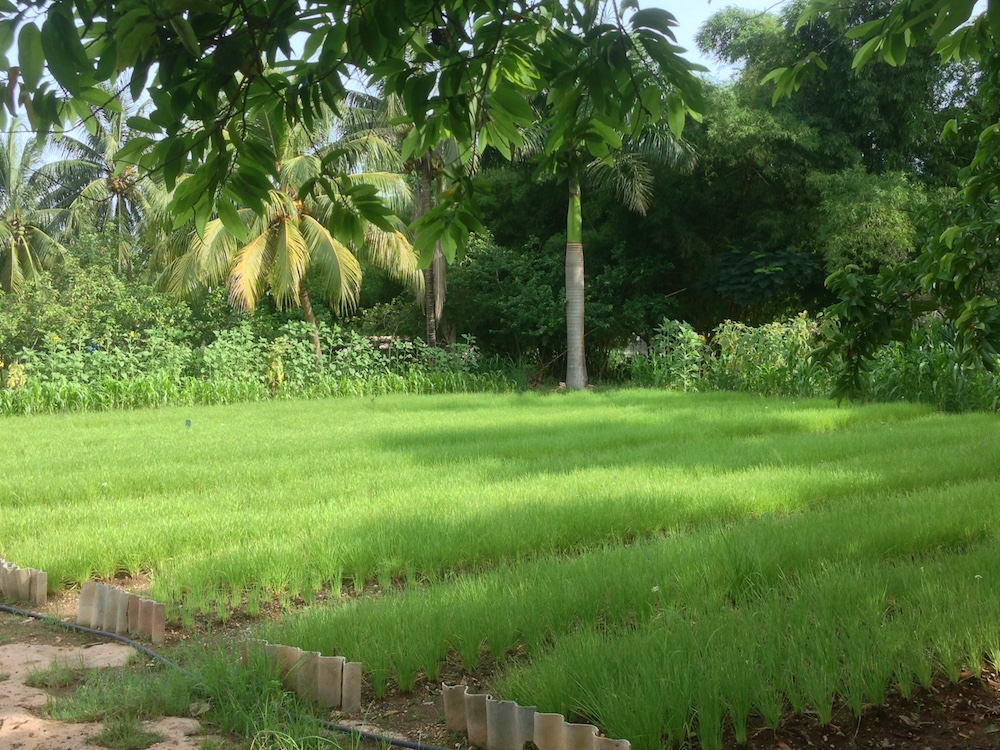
101, 633
163, 660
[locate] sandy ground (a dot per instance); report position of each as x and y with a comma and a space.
26, 645
21, 724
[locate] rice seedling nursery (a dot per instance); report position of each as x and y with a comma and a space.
667, 566
305, 385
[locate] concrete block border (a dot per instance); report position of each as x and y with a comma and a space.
329, 681
23, 584
113, 610
504, 725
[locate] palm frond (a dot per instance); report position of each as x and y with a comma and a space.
394, 254
369, 150
334, 266
41, 247
191, 262
392, 187
290, 263
296, 170
627, 176
659, 146
247, 279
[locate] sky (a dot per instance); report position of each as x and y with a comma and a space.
691, 14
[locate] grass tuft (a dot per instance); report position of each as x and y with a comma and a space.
124, 733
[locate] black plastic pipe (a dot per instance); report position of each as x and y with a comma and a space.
343, 729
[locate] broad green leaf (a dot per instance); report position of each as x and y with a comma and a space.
950, 129
126, 155
416, 93
606, 133
231, 220
655, 18
7, 28
774, 75
676, 112
514, 103
895, 51
202, 214
101, 99
63, 49
143, 125
30, 55
189, 40
864, 30
865, 53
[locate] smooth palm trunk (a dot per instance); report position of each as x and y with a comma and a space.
430, 281
576, 359
307, 310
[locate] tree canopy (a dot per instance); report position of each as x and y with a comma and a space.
956, 271
209, 68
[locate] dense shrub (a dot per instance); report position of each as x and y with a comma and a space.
238, 365
90, 303
771, 360
776, 360
676, 359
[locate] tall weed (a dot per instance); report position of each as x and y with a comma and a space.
776, 359
239, 365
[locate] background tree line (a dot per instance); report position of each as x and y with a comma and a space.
743, 219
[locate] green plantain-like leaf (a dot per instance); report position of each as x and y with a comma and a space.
232, 221
30, 54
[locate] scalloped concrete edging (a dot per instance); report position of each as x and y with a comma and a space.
504, 725
23, 584
328, 681
114, 610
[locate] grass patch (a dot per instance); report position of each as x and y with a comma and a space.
208, 510
138, 692
59, 675
242, 700
125, 733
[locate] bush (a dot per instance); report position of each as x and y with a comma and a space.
238, 365
776, 360
927, 369
676, 359
771, 360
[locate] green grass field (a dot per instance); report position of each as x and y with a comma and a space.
659, 563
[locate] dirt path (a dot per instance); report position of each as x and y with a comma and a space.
26, 646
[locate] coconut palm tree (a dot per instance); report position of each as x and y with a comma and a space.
97, 191
27, 244
375, 114
319, 236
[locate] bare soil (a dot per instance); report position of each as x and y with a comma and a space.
28, 645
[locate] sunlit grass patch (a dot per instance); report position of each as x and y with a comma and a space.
289, 498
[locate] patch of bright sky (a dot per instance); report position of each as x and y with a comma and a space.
691, 14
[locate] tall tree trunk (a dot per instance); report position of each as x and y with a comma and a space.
307, 310
576, 357
430, 298
124, 248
